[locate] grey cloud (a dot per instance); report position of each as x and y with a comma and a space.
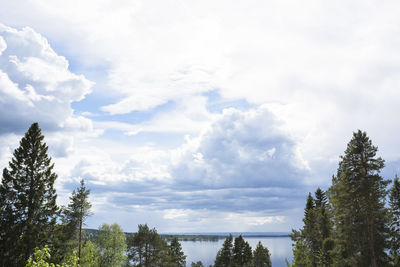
241, 149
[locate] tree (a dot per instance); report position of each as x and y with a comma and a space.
77, 211
357, 196
394, 202
41, 258
261, 257
225, 254
324, 228
197, 264
178, 256
313, 245
146, 249
242, 253
28, 209
305, 250
112, 243
90, 256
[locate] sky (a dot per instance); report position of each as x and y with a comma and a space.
199, 116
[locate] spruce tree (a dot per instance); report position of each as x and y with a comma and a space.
261, 256
225, 254
178, 257
242, 253
324, 243
394, 202
357, 195
313, 244
28, 209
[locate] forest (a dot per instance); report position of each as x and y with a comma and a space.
355, 222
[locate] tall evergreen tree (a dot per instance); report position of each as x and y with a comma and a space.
306, 246
313, 245
394, 202
77, 211
242, 253
225, 254
357, 196
324, 243
146, 248
261, 257
28, 209
178, 257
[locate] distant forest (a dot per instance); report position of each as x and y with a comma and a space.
355, 223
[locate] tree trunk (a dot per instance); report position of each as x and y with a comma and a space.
80, 237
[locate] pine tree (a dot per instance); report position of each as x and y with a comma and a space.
394, 202
357, 196
225, 254
178, 257
261, 257
28, 209
146, 248
77, 211
242, 253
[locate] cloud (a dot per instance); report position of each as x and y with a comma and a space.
240, 149
243, 165
36, 84
309, 72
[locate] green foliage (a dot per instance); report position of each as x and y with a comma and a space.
146, 248
90, 256
242, 254
28, 209
261, 257
112, 244
69, 232
225, 254
77, 211
178, 257
394, 202
41, 258
358, 196
311, 247
197, 264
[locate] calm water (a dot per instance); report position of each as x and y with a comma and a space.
205, 251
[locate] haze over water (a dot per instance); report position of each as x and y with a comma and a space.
205, 251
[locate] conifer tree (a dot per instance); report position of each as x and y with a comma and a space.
178, 257
28, 209
357, 196
394, 202
324, 243
313, 245
77, 211
146, 248
261, 257
242, 253
225, 254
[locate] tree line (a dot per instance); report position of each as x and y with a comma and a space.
36, 232
356, 222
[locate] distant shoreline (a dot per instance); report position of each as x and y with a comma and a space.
216, 237
91, 234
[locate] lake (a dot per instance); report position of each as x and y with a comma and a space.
205, 251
